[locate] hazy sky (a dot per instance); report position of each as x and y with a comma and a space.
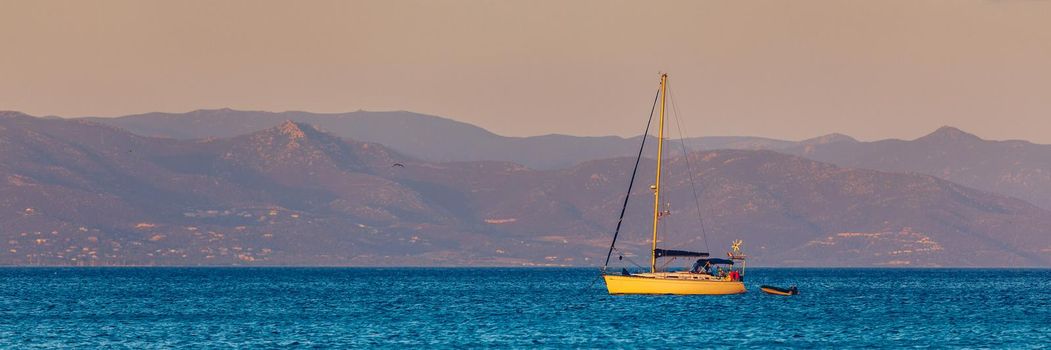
784, 69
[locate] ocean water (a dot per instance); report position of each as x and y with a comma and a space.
515, 308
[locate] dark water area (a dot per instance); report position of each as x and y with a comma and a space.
514, 307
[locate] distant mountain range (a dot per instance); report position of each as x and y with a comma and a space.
1015, 168
78, 192
424, 136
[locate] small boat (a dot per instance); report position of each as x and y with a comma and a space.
779, 291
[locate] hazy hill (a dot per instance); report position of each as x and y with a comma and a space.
423, 136
799, 212
1016, 168
78, 192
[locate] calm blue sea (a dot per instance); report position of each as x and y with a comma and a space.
513, 307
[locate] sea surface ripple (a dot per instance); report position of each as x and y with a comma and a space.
514, 308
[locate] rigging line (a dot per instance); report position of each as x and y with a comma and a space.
689, 170
629, 260
669, 172
592, 284
667, 263
631, 183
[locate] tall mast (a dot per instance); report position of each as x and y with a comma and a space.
657, 184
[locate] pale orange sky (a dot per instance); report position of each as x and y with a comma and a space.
783, 69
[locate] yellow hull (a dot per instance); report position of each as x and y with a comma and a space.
663, 284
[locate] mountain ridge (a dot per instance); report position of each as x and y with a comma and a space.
423, 136
945, 152
333, 201
1015, 168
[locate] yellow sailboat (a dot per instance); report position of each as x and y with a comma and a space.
698, 280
